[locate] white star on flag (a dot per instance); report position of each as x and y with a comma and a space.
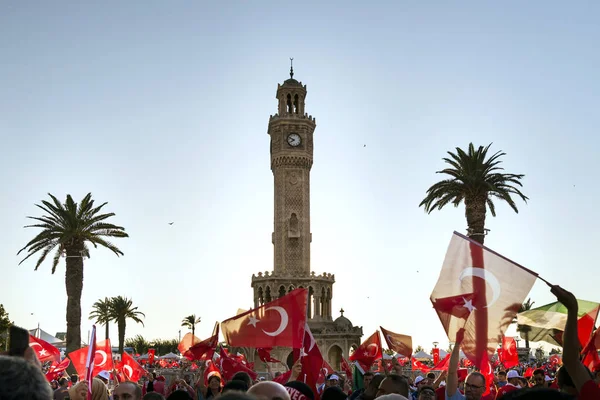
366, 353
252, 320
469, 305
43, 352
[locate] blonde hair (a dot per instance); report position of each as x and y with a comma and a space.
99, 391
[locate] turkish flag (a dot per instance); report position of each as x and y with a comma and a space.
278, 323
103, 360
204, 349
418, 365
494, 288
312, 360
187, 341
211, 370
230, 366
151, 354
265, 355
589, 354
585, 326
555, 360
44, 350
56, 368
129, 369
368, 351
326, 369
509, 356
347, 370
436, 355
401, 344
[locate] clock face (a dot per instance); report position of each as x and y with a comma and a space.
294, 139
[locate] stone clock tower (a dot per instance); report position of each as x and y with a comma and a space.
291, 131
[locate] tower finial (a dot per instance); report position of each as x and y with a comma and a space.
292, 68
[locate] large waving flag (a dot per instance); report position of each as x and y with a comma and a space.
368, 352
278, 323
401, 344
481, 292
547, 323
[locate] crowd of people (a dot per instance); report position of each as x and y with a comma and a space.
22, 378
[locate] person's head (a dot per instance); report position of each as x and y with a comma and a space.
474, 386
74, 379
538, 393
299, 390
502, 376
235, 395
513, 378
332, 380
564, 382
367, 377
269, 391
393, 396
393, 384
420, 381
179, 395
104, 376
333, 393
244, 377
539, 377
214, 383
371, 391
20, 379
153, 396
236, 385
63, 382
426, 392
431, 377
127, 391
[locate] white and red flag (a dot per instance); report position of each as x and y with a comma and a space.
102, 359
129, 369
311, 359
230, 366
57, 368
491, 289
278, 323
401, 344
90, 361
508, 356
347, 370
265, 355
368, 351
205, 349
44, 350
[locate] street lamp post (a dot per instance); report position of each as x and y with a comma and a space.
435, 344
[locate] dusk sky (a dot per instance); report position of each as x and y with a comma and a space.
161, 109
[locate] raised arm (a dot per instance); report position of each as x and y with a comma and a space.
452, 381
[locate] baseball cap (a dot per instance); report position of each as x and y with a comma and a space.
513, 374
104, 374
418, 379
334, 377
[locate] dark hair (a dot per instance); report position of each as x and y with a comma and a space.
235, 384
74, 378
431, 375
400, 383
62, 381
503, 373
244, 377
368, 373
153, 396
235, 395
333, 393
426, 387
20, 379
302, 388
539, 371
539, 393
179, 395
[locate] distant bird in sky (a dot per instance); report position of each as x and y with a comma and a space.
364, 145
171, 223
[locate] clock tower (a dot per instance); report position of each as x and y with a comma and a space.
291, 131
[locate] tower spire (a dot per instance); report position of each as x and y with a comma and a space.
292, 68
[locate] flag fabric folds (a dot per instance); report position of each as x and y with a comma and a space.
278, 323
401, 344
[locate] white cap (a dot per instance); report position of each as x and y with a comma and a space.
334, 377
104, 374
547, 378
513, 374
418, 379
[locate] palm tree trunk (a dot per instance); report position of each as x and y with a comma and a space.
121, 327
475, 212
193, 332
106, 331
527, 340
74, 286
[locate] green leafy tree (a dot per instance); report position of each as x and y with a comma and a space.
139, 343
555, 350
524, 329
418, 349
4, 326
163, 346
539, 353
476, 181
122, 309
101, 314
69, 227
190, 322
389, 352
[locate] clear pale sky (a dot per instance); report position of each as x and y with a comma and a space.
161, 109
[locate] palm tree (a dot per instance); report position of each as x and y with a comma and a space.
190, 322
121, 309
101, 313
69, 227
476, 181
525, 329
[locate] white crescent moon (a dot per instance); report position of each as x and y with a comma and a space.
128, 371
326, 371
284, 320
376, 349
486, 276
389, 338
104, 357
33, 344
312, 338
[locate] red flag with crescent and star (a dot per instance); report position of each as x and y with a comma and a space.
493, 288
311, 359
44, 350
368, 351
508, 356
103, 360
278, 323
205, 349
401, 344
129, 369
